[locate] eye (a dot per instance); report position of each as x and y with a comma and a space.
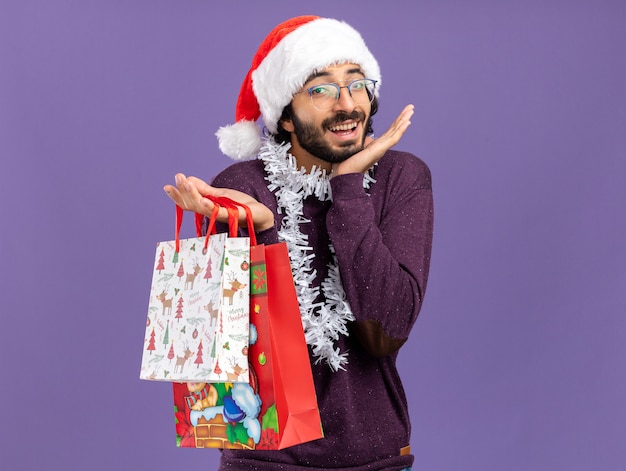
358, 85
322, 90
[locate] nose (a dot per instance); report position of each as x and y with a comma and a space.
345, 100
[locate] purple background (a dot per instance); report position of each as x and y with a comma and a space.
517, 361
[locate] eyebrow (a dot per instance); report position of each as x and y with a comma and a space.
323, 73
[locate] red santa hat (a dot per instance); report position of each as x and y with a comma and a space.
286, 58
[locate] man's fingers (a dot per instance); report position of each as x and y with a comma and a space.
186, 195
398, 127
202, 187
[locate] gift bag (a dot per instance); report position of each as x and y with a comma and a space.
198, 313
278, 408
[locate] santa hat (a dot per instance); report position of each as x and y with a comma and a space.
286, 58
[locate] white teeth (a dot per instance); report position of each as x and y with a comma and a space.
343, 127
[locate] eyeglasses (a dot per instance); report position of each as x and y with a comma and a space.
325, 95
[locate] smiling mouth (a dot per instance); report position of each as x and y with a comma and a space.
343, 128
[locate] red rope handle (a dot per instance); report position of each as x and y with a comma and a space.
233, 220
211, 228
227, 202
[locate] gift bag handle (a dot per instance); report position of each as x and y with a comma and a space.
233, 220
233, 214
211, 229
198, 220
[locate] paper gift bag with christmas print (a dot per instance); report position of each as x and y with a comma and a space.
278, 408
197, 323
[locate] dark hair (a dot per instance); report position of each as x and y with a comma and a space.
282, 136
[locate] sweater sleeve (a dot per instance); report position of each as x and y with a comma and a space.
383, 245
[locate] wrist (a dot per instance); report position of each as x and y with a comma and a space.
264, 226
343, 169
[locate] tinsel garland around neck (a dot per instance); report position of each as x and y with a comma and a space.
323, 322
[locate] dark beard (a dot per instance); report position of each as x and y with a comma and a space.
311, 138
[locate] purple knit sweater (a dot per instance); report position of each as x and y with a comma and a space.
383, 244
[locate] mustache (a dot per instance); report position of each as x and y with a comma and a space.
342, 116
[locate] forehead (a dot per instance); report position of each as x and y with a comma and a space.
336, 72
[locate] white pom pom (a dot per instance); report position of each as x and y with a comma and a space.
239, 141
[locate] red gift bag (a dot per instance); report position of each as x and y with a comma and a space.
278, 407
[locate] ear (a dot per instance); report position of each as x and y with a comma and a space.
287, 124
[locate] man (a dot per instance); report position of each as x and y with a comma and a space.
321, 183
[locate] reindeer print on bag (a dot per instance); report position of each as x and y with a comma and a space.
235, 285
191, 277
167, 303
